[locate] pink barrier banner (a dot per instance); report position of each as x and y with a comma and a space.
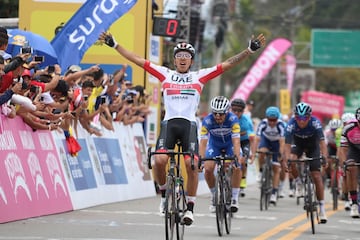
262, 66
290, 71
324, 104
31, 178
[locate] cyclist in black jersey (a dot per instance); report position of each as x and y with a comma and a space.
304, 134
181, 90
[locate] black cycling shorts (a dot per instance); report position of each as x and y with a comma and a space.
178, 129
310, 146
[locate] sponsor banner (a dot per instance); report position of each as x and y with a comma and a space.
114, 167
290, 71
84, 28
324, 104
262, 66
31, 177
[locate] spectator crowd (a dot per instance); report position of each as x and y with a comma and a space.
47, 99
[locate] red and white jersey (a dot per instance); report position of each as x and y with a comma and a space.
181, 91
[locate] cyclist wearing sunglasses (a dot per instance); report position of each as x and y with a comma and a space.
270, 137
181, 90
221, 130
350, 152
304, 134
247, 137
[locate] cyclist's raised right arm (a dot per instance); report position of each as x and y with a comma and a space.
109, 40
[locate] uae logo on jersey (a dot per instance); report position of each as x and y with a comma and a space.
181, 92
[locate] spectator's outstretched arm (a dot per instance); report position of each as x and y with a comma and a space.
6, 96
254, 45
109, 40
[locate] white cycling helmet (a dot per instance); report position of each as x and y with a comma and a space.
335, 123
220, 104
185, 47
347, 117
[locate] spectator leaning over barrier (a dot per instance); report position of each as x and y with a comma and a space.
7, 110
4, 40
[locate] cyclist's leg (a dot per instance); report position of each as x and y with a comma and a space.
165, 141
352, 176
245, 146
189, 141
296, 152
209, 167
276, 171
262, 147
315, 169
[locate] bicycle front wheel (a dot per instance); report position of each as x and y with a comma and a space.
335, 189
265, 188
219, 203
227, 208
310, 204
182, 205
170, 211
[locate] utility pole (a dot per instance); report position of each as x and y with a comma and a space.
219, 14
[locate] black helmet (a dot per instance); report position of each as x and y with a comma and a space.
302, 109
357, 114
238, 102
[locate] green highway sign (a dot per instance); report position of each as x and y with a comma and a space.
335, 48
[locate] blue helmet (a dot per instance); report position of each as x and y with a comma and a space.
272, 112
302, 109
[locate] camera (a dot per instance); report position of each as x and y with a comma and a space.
25, 50
129, 99
103, 99
51, 69
34, 89
39, 58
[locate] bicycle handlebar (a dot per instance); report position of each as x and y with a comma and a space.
170, 152
305, 159
267, 152
219, 159
347, 165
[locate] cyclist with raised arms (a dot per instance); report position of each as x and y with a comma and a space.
304, 134
221, 130
270, 137
247, 137
350, 151
181, 90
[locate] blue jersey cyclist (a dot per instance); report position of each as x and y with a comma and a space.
247, 137
304, 134
270, 137
221, 131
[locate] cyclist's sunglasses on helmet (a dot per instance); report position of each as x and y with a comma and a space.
237, 109
302, 118
185, 55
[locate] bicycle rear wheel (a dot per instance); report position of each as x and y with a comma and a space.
227, 208
170, 211
219, 203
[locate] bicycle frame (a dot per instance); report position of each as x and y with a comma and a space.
175, 199
310, 202
223, 192
266, 180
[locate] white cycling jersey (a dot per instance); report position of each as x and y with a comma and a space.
181, 91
